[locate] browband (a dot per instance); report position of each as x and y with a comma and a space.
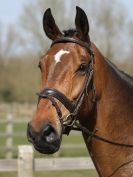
73, 40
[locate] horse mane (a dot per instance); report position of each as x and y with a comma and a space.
75, 33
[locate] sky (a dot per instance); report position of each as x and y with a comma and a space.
11, 9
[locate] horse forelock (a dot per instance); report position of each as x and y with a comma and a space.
73, 33
69, 32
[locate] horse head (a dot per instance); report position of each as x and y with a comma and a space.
67, 73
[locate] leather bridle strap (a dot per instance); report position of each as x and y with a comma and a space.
76, 41
51, 92
92, 134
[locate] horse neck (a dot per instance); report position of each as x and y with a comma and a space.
113, 118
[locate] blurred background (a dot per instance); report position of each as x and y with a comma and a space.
23, 42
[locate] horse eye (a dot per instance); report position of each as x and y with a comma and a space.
82, 68
39, 65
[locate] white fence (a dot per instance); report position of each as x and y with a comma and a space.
25, 165
9, 133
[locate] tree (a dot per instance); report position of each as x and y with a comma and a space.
110, 30
108, 23
109, 27
34, 39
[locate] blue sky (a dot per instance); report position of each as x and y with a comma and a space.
11, 9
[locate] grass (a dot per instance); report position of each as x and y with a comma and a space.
81, 173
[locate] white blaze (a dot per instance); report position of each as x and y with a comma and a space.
59, 54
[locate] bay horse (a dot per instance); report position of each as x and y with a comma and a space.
83, 90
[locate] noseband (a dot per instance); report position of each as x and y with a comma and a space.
72, 106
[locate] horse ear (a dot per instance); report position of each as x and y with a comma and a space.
81, 22
49, 25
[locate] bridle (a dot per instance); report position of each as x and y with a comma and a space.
51, 94
71, 122
74, 107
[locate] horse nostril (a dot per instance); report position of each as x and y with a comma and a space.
48, 133
47, 130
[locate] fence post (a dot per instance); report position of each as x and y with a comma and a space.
25, 161
9, 136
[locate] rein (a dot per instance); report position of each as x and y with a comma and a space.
92, 134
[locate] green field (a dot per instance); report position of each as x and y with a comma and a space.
81, 173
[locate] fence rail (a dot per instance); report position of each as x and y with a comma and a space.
76, 163
9, 134
25, 165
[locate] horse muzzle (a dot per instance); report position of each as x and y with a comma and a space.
46, 141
